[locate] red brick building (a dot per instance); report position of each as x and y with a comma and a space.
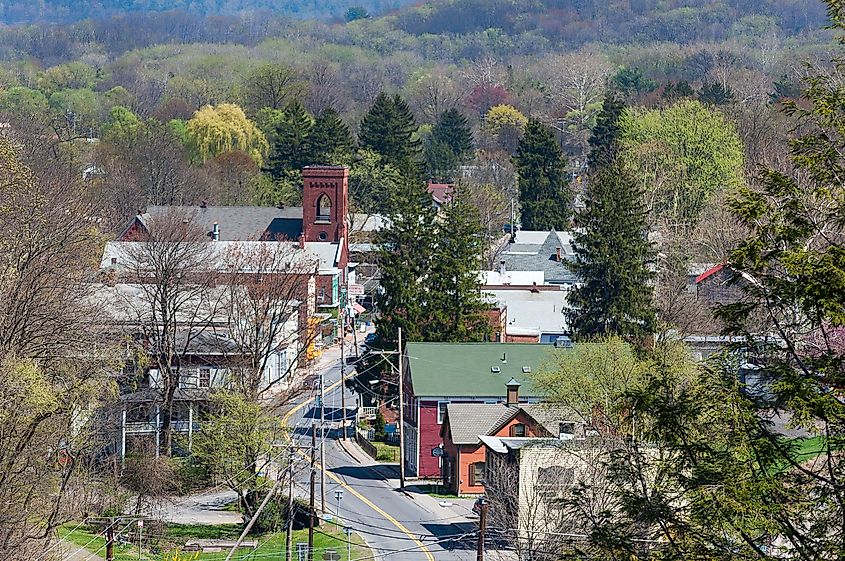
320, 226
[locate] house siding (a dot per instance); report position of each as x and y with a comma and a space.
429, 438
466, 455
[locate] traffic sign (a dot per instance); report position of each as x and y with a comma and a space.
356, 290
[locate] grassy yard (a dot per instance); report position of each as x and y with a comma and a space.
327, 536
387, 452
435, 490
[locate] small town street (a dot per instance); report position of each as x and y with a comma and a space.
396, 525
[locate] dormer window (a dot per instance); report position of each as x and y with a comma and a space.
324, 208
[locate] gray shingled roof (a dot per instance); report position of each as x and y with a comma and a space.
468, 420
541, 257
240, 223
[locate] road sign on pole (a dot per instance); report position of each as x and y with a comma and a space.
356, 290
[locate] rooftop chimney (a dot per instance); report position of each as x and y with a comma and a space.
557, 254
215, 232
513, 392
502, 268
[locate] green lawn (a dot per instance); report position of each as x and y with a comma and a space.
436, 491
327, 536
808, 448
386, 452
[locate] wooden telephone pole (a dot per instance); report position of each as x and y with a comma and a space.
401, 414
311, 500
342, 375
289, 533
110, 541
482, 529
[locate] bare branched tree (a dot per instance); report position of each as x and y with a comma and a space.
53, 364
269, 299
172, 300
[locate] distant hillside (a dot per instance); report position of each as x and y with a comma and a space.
30, 11
617, 21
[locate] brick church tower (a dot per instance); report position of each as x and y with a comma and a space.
325, 204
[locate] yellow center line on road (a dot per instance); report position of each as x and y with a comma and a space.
360, 497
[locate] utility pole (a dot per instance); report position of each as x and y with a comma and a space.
322, 441
482, 529
289, 533
110, 541
311, 500
401, 415
342, 374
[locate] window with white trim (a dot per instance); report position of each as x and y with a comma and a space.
441, 411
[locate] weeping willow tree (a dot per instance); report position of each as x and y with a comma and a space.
216, 129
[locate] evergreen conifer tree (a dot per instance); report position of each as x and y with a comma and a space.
613, 254
330, 139
455, 306
404, 259
544, 194
441, 162
605, 135
452, 129
450, 145
389, 129
290, 151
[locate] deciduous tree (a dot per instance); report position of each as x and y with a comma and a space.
681, 156
223, 128
272, 86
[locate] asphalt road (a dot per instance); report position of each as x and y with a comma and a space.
396, 525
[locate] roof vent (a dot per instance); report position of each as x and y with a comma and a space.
504, 358
495, 369
526, 370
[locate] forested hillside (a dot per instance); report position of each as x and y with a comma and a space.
23, 11
582, 21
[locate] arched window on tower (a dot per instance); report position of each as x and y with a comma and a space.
324, 208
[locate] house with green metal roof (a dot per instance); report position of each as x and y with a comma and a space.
436, 374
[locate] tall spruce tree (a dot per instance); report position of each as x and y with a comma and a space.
389, 129
449, 146
441, 162
544, 195
331, 140
404, 259
452, 129
605, 135
613, 254
455, 306
291, 149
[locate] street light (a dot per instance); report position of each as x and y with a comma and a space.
378, 381
348, 531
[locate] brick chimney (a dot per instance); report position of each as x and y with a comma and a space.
513, 392
558, 256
